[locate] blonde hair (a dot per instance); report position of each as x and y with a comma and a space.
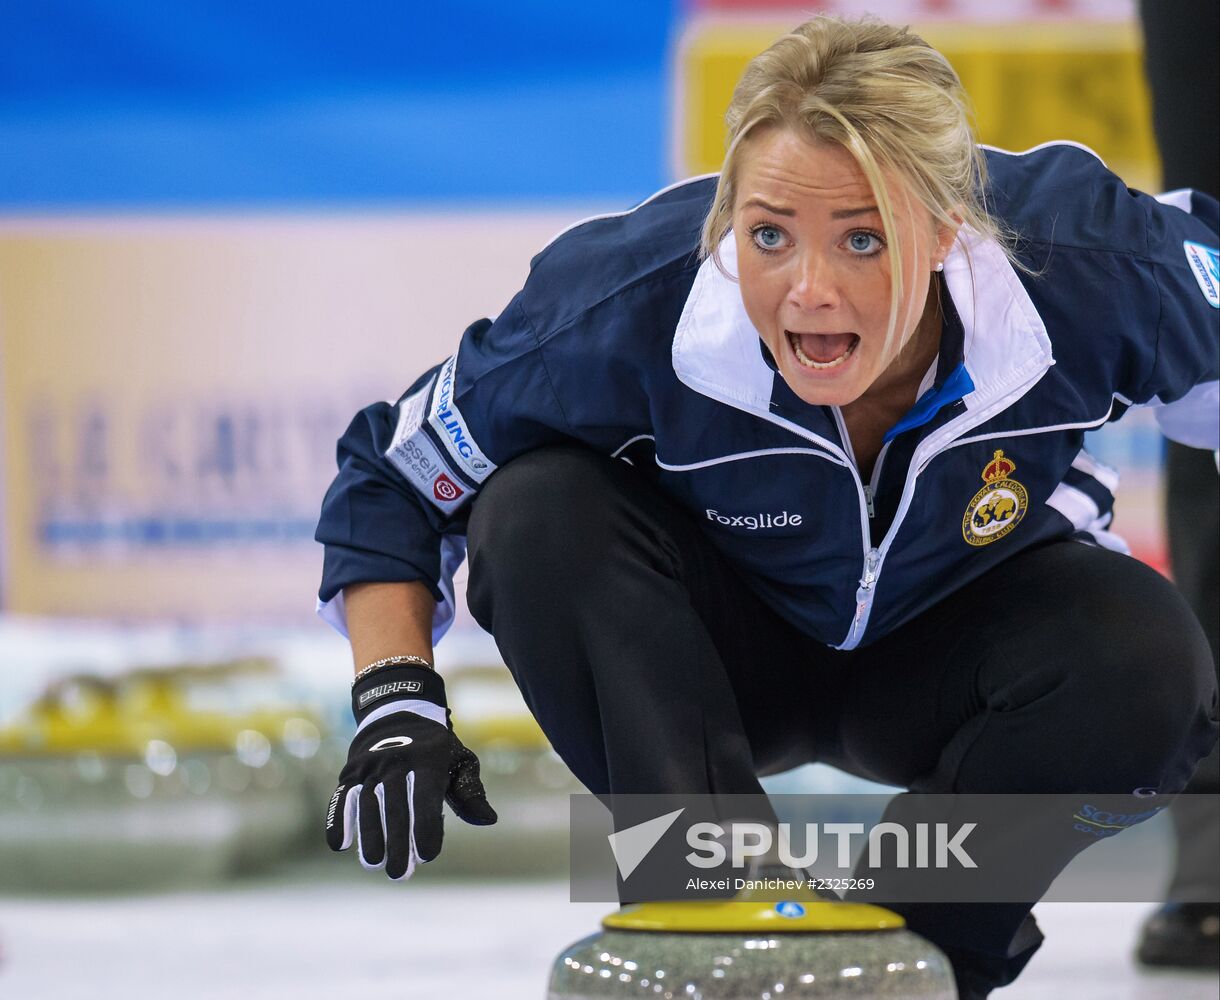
885, 95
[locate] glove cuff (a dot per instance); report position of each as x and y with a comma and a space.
403, 683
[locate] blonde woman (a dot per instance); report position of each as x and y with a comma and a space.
786, 465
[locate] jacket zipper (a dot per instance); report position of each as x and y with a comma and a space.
872, 556
870, 490
929, 448
864, 596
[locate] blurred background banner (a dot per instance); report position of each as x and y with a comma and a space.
1030, 81
174, 387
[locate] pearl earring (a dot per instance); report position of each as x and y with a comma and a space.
940, 266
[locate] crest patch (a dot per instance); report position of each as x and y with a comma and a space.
998, 507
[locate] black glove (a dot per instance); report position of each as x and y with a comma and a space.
404, 760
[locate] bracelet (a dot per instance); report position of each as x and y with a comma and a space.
392, 661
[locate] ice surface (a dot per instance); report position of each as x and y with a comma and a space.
315, 936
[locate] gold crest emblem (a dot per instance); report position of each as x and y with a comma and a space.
998, 507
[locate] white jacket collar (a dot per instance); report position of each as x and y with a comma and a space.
716, 348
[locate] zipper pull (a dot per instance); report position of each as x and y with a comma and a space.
870, 569
868, 500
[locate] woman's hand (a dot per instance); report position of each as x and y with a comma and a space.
404, 761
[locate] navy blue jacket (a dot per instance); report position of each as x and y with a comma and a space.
624, 341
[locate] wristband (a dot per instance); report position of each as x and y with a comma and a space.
392, 661
397, 683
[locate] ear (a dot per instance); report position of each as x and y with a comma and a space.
946, 233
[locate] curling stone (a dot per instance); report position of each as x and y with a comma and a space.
752, 950
168, 776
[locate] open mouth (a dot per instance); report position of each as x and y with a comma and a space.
822, 350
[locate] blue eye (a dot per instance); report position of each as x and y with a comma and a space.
865, 244
767, 237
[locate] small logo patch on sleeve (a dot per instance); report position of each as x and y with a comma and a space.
450, 426
421, 463
1205, 265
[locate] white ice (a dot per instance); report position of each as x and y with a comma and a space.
426, 939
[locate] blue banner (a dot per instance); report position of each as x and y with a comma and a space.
266, 103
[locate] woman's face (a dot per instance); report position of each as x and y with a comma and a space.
815, 269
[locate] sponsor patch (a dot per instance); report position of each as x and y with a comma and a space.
394, 687
1103, 824
998, 507
444, 488
446, 419
1205, 265
421, 463
754, 522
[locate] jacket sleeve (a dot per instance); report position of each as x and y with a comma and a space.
1183, 382
408, 470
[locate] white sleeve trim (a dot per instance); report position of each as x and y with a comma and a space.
416, 706
1179, 198
453, 552
334, 613
1109, 540
1086, 463
1193, 420
1076, 505
1082, 511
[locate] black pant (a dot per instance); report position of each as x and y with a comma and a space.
653, 667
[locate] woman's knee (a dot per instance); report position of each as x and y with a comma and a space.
552, 500
564, 526
1147, 723
1108, 671
1152, 657
1139, 696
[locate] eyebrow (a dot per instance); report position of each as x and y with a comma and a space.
850, 213
842, 213
767, 207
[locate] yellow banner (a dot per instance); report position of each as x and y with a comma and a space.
1030, 83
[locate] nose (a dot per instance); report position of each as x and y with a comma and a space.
813, 285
